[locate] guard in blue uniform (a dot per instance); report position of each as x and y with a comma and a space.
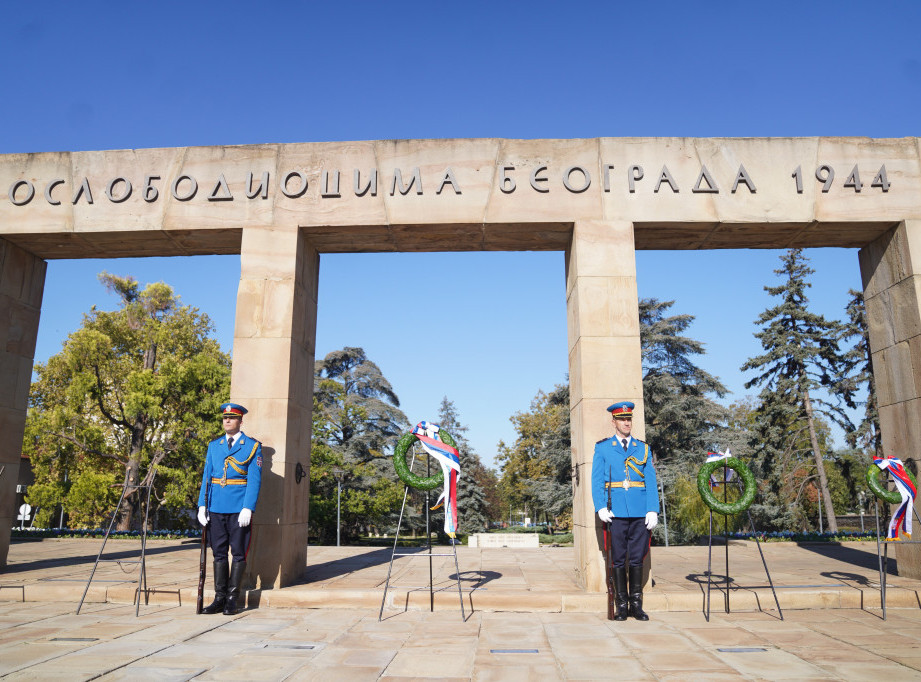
229, 491
625, 495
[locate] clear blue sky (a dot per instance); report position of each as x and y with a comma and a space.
86, 76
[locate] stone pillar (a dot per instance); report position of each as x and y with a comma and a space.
602, 314
22, 281
273, 356
891, 270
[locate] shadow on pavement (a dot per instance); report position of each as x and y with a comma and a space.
133, 553
846, 578
854, 557
350, 564
478, 578
701, 578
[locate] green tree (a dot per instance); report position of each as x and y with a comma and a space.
682, 418
801, 356
356, 424
537, 468
858, 373
133, 391
683, 421
690, 516
359, 403
753, 435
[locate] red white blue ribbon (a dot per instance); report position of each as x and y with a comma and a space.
449, 459
907, 491
726, 474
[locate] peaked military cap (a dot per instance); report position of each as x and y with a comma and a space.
622, 409
233, 410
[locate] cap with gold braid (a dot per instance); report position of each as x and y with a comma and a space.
622, 410
232, 410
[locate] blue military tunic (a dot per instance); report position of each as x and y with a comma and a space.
231, 478
633, 466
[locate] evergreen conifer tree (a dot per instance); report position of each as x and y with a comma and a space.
859, 372
682, 419
357, 423
801, 356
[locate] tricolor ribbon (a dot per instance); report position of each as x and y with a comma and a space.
727, 473
907, 491
449, 459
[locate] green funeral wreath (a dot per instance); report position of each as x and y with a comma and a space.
408, 477
748, 481
890, 496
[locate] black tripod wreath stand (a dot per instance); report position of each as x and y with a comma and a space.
406, 442
747, 486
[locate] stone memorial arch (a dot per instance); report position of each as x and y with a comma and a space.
281, 206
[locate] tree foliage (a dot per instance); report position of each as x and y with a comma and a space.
682, 418
801, 357
858, 373
132, 388
356, 424
537, 468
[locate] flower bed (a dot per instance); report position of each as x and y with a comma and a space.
790, 536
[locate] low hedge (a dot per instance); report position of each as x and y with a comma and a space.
39, 533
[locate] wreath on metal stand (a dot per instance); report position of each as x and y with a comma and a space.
878, 489
749, 488
748, 482
402, 469
901, 520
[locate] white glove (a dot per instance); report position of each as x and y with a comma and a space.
203, 516
246, 515
652, 520
606, 515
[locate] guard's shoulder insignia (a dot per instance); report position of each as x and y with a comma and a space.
602, 440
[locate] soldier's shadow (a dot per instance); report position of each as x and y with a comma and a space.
271, 486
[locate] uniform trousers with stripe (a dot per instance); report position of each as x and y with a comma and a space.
629, 538
226, 533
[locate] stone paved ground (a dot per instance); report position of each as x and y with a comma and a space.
529, 619
499, 579
46, 641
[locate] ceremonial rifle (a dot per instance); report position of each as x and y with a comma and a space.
608, 559
203, 559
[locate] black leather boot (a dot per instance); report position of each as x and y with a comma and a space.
233, 592
620, 592
220, 588
636, 593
